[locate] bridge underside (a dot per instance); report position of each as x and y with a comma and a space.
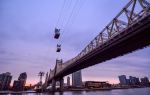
134, 38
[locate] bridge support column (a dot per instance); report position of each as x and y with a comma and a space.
53, 85
61, 81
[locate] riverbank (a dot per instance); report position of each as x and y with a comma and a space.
138, 91
86, 89
16, 92
67, 90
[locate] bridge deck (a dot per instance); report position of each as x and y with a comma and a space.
135, 37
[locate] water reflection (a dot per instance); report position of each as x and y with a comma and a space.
136, 91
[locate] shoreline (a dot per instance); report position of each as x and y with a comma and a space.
16, 92
68, 90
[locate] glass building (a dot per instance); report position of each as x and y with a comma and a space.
19, 84
5, 80
123, 80
77, 79
68, 81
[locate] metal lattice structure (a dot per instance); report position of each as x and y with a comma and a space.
117, 26
125, 19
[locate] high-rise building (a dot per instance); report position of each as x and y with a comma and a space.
68, 81
137, 81
123, 80
77, 79
128, 81
23, 76
20, 83
5, 80
145, 81
134, 80
16, 85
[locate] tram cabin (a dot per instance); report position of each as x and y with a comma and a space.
57, 33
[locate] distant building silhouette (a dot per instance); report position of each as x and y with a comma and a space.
19, 84
145, 81
128, 81
68, 81
77, 79
134, 80
123, 80
5, 80
96, 84
16, 85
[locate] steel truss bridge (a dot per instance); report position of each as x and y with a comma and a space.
127, 32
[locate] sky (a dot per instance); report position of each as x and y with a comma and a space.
27, 43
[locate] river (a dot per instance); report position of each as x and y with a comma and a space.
135, 91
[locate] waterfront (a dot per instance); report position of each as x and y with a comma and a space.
134, 91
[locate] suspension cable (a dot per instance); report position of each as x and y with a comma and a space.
60, 13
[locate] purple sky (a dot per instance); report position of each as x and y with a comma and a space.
27, 44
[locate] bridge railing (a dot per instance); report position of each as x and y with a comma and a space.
127, 17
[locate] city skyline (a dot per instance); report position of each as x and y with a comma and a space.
27, 45
123, 80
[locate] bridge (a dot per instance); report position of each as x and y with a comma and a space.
127, 32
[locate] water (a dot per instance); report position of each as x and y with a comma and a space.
136, 91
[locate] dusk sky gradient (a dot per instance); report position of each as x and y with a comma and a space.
27, 43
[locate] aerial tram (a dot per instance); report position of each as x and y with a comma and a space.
58, 48
57, 33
